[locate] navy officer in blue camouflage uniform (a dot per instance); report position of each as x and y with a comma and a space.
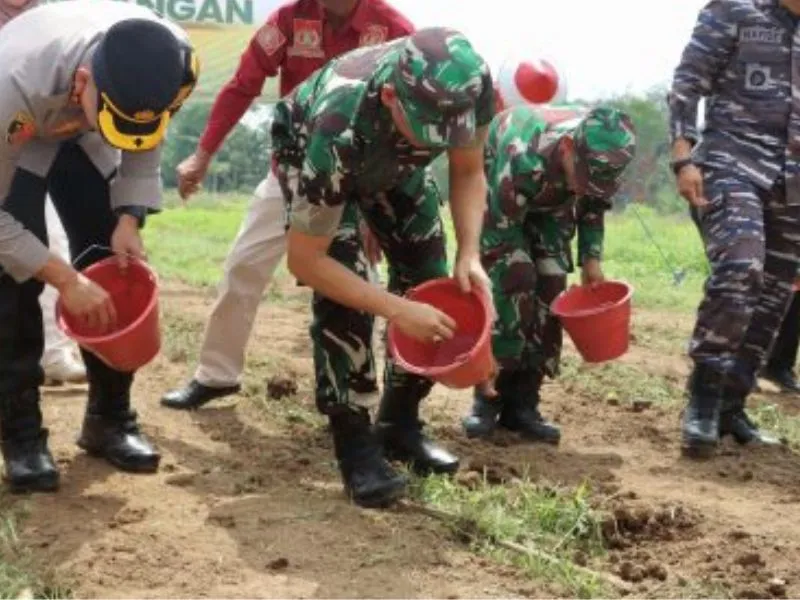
742, 177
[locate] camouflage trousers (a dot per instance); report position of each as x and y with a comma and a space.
342, 338
527, 273
752, 241
407, 223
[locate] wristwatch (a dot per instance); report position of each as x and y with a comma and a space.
140, 212
677, 165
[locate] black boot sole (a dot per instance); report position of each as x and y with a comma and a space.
379, 499
151, 466
423, 469
42, 484
194, 404
477, 433
750, 440
698, 450
531, 437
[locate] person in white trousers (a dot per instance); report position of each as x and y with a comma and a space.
59, 359
261, 242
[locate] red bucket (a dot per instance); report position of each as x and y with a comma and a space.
137, 337
461, 362
597, 318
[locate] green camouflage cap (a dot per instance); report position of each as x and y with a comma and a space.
438, 79
605, 142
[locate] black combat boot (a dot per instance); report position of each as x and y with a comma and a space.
110, 429
29, 465
520, 411
482, 421
735, 422
399, 429
369, 480
785, 379
700, 427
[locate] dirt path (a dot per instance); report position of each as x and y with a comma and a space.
248, 502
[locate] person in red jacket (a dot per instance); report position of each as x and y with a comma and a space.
296, 40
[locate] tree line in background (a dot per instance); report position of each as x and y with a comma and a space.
242, 161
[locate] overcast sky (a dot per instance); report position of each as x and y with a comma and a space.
605, 46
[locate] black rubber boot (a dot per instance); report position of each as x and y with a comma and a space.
195, 394
399, 429
735, 422
369, 480
700, 426
481, 422
783, 378
110, 429
29, 465
520, 411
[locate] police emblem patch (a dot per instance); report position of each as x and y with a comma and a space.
307, 39
373, 34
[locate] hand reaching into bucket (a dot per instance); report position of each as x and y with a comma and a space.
424, 322
591, 273
86, 299
126, 241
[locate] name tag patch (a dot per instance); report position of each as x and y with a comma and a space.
762, 35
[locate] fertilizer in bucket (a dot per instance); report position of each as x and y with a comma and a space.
597, 318
136, 339
460, 362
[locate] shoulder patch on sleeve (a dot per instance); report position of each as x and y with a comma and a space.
20, 129
270, 38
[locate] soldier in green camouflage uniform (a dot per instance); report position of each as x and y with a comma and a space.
363, 131
542, 182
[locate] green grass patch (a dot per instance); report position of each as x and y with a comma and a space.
182, 337
20, 575
189, 243
618, 383
769, 417
631, 255
665, 337
560, 522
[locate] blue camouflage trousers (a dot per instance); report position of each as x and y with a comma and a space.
752, 242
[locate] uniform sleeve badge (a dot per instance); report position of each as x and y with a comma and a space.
307, 39
270, 38
373, 34
21, 129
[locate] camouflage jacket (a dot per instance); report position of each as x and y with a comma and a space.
526, 182
740, 59
335, 131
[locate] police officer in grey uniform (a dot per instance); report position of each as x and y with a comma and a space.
86, 96
742, 176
